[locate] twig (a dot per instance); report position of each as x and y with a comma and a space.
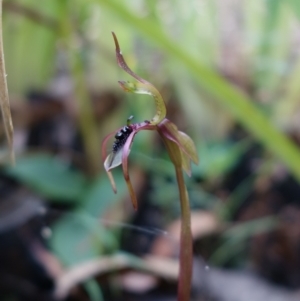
4, 100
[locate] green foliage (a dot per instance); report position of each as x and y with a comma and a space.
93, 290
87, 237
235, 239
295, 7
49, 176
99, 198
236, 102
29, 45
197, 51
220, 158
248, 76
54, 179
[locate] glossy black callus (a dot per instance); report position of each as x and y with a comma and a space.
121, 138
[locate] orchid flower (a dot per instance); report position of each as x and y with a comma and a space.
180, 146
181, 150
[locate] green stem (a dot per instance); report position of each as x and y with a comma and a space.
186, 241
186, 247
86, 119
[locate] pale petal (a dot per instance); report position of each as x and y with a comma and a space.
105, 141
113, 160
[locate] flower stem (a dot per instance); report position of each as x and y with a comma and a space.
186, 241
186, 248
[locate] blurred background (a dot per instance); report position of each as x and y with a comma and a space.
229, 72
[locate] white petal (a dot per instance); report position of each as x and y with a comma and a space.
113, 160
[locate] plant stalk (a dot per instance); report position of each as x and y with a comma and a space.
86, 119
186, 241
186, 247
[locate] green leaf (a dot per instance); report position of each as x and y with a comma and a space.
93, 289
50, 177
235, 238
78, 237
219, 158
18, 34
86, 235
100, 196
72, 241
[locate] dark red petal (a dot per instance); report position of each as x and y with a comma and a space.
122, 63
125, 154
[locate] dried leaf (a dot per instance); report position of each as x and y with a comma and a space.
4, 100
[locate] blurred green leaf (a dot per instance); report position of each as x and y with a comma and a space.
219, 158
22, 56
247, 229
100, 195
235, 238
50, 177
78, 237
227, 210
72, 241
87, 237
295, 6
93, 290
